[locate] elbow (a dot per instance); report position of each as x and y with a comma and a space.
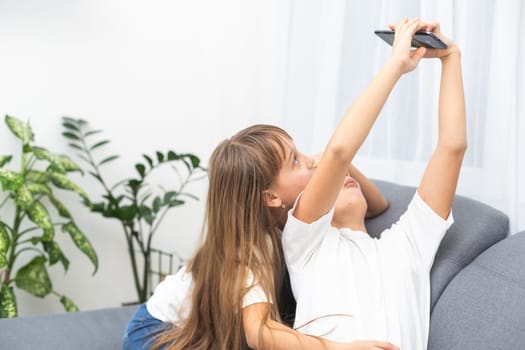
378, 209
457, 147
252, 336
339, 153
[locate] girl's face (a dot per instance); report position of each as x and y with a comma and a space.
295, 173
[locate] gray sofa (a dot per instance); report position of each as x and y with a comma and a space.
478, 290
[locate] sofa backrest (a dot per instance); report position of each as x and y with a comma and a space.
88, 330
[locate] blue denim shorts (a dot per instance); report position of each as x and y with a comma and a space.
141, 330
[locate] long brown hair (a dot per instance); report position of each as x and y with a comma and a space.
241, 235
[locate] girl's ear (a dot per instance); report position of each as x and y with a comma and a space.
272, 200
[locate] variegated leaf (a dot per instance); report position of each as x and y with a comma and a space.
4, 160
58, 162
68, 304
23, 197
5, 242
20, 129
60, 207
38, 177
7, 302
36, 188
63, 182
10, 180
33, 277
81, 242
40, 216
55, 254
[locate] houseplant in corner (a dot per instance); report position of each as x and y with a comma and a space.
31, 231
139, 207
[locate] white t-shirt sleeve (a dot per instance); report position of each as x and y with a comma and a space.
171, 301
255, 295
301, 240
424, 229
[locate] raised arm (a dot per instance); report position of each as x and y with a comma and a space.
277, 336
439, 181
324, 186
376, 202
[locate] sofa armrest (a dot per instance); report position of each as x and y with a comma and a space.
483, 306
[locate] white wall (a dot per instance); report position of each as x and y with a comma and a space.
154, 75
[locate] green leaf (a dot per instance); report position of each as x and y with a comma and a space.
36, 188
71, 126
55, 254
172, 156
60, 207
20, 129
92, 132
81, 242
107, 160
160, 157
68, 304
23, 197
141, 169
7, 302
10, 180
71, 136
127, 213
4, 160
38, 177
75, 146
33, 277
168, 196
63, 182
98, 144
5, 242
195, 161
149, 160
157, 203
39, 215
175, 202
59, 162
147, 214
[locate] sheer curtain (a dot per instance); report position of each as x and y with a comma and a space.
333, 54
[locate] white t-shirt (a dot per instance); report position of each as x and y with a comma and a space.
355, 287
171, 301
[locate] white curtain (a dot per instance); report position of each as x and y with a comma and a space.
333, 54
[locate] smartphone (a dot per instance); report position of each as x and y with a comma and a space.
421, 38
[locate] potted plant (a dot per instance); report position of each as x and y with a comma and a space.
30, 231
138, 206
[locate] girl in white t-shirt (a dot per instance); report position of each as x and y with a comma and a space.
347, 284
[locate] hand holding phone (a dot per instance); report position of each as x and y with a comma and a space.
420, 39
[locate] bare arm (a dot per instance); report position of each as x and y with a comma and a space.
439, 181
375, 200
324, 186
277, 336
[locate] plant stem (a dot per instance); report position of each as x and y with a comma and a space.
131, 250
28, 249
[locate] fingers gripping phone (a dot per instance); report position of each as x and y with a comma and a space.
420, 39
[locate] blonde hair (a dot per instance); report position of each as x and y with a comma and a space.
241, 236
